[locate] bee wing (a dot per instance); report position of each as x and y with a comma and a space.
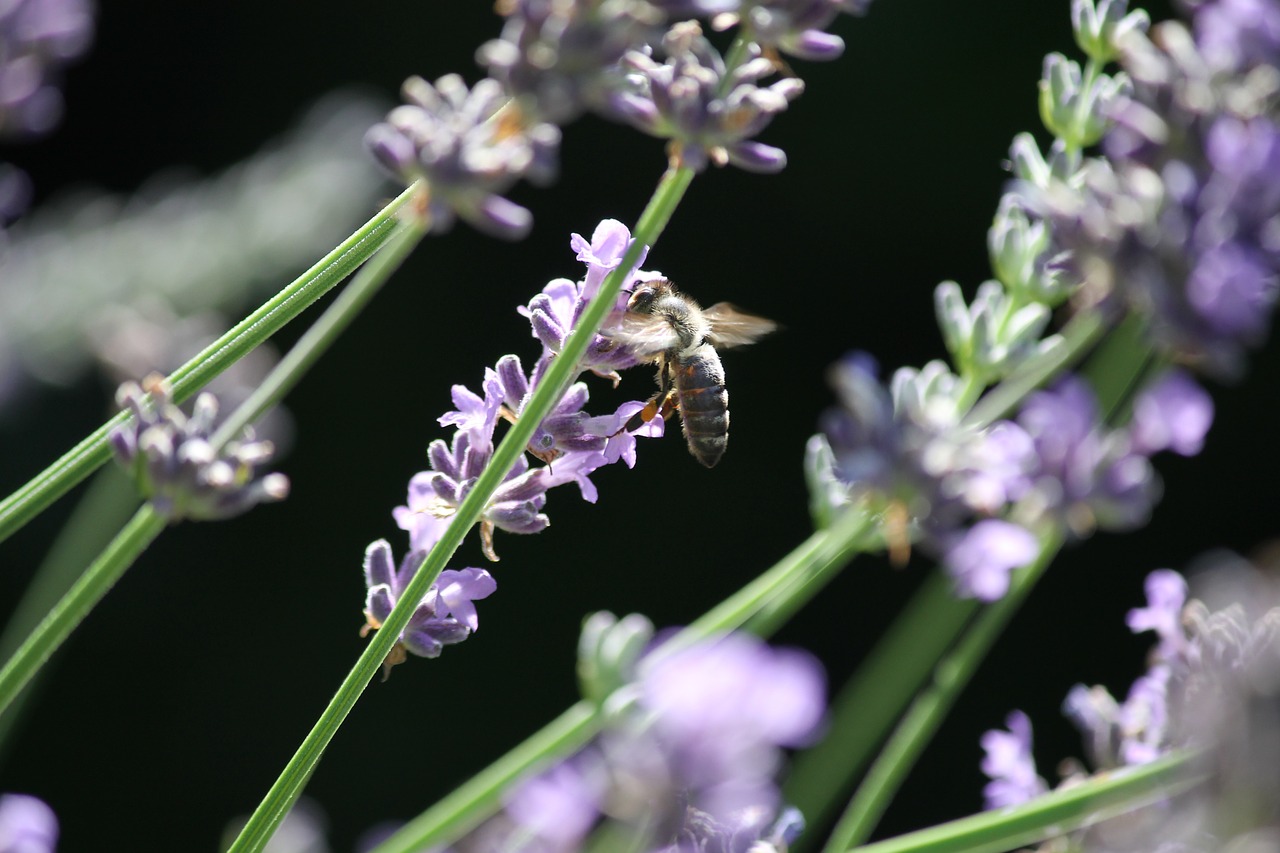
648, 334
732, 328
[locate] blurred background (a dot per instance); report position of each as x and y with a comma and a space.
195, 679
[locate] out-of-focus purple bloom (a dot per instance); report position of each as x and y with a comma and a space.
1009, 764
38, 37
722, 709
176, 466
985, 554
709, 112
468, 149
27, 825
559, 57
1166, 596
1173, 414
447, 613
560, 806
687, 762
1087, 475
1178, 222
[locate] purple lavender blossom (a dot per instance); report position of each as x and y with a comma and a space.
38, 37
27, 825
1009, 764
470, 147
689, 765
1177, 222
985, 554
447, 614
708, 111
559, 59
177, 468
1173, 414
721, 711
1166, 595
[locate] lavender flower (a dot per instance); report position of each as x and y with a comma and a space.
1210, 686
176, 466
446, 615
689, 758
468, 149
1176, 223
709, 112
27, 825
560, 58
1010, 765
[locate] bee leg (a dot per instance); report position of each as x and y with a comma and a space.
661, 404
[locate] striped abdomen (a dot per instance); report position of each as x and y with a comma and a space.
704, 403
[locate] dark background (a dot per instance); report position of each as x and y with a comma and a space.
176, 704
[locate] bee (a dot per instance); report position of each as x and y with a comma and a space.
669, 328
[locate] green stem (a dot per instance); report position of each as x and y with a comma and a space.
76, 604
1054, 814
45, 488
926, 713
563, 370
105, 506
871, 701
322, 334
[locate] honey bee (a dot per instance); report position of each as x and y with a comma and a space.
669, 328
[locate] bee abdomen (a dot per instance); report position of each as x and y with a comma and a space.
704, 407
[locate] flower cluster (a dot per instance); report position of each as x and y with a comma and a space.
557, 59
1177, 222
689, 762
1209, 685
177, 467
570, 442
976, 495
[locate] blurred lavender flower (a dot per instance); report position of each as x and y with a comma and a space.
178, 469
1056, 464
1179, 221
302, 830
27, 825
688, 762
38, 37
1210, 685
470, 146
447, 614
559, 58
1009, 764
709, 112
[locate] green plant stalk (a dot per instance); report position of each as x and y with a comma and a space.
870, 702
1054, 814
477, 799
324, 331
930, 707
111, 564
284, 792
76, 464
107, 503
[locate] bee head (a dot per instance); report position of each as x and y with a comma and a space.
644, 295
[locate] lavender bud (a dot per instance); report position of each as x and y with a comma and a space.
1101, 28
1009, 764
608, 650
27, 825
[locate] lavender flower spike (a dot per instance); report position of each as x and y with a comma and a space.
177, 468
708, 111
36, 37
447, 614
467, 151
